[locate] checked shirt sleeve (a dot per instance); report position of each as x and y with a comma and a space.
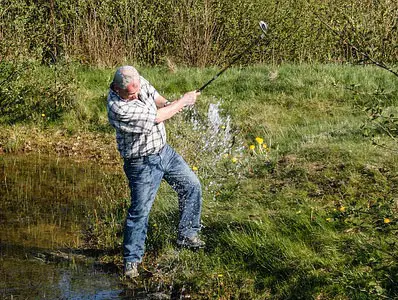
131, 117
149, 92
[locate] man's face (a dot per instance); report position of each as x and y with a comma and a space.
131, 92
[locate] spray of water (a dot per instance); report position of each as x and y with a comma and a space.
219, 130
217, 142
215, 131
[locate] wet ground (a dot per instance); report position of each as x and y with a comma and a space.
43, 203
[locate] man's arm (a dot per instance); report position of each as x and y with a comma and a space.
166, 112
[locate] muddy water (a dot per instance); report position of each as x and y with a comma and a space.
43, 204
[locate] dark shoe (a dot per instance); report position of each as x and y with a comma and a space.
191, 242
131, 269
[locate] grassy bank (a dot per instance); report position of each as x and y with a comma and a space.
299, 183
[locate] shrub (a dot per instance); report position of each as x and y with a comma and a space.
30, 92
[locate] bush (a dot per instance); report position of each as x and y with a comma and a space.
199, 33
30, 92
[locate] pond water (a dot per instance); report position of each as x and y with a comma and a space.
43, 204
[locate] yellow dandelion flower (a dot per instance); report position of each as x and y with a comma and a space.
342, 209
234, 159
220, 275
329, 219
194, 168
252, 147
265, 146
43, 115
259, 140
387, 220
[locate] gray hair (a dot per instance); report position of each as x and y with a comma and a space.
124, 76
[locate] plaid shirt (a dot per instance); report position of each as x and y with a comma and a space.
137, 133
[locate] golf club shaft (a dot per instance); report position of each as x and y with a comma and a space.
230, 64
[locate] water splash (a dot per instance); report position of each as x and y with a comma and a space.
217, 143
220, 136
215, 131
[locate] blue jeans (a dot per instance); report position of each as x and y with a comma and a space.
144, 175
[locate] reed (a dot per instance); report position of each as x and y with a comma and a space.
196, 33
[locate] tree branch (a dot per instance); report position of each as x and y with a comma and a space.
365, 54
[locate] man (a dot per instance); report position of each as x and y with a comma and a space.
137, 112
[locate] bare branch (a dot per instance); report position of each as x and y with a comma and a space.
364, 53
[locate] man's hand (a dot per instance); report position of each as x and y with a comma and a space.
168, 111
190, 98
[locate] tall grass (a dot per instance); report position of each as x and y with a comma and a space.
196, 33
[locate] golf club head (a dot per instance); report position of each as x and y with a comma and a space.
263, 27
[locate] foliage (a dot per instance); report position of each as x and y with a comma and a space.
382, 120
357, 38
30, 92
362, 38
196, 33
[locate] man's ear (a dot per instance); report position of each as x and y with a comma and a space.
115, 88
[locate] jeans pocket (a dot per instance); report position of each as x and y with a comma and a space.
134, 161
137, 171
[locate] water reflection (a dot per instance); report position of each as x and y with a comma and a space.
43, 204
31, 278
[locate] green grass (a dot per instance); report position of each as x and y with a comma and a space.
306, 219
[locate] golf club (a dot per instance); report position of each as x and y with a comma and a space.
263, 27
